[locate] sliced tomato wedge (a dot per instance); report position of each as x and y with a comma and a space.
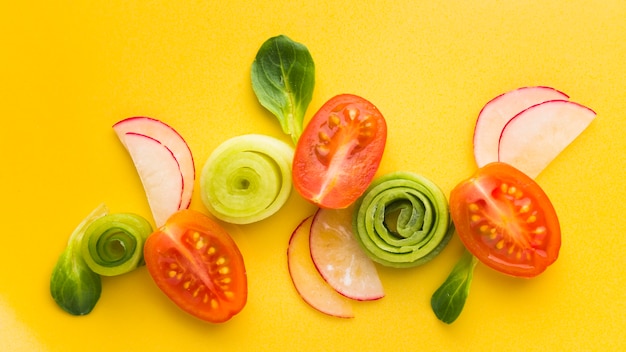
339, 152
506, 220
196, 263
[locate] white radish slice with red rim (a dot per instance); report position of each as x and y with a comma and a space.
159, 172
170, 138
535, 136
311, 287
497, 113
339, 258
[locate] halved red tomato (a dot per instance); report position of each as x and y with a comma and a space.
196, 263
506, 220
339, 152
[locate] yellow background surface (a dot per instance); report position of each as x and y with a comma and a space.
70, 69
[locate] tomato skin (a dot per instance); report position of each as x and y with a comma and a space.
506, 220
196, 263
339, 152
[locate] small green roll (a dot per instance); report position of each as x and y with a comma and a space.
247, 178
113, 244
402, 220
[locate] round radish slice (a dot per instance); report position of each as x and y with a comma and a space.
313, 289
498, 111
534, 137
339, 257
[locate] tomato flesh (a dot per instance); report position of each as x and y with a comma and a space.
196, 263
339, 152
506, 220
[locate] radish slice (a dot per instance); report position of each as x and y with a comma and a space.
340, 259
534, 137
159, 172
497, 113
170, 138
313, 289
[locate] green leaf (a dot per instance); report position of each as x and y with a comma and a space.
283, 77
449, 299
73, 285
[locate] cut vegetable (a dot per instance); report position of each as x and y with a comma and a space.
402, 220
247, 178
159, 172
339, 258
113, 244
196, 263
506, 220
498, 111
170, 138
339, 152
307, 280
534, 137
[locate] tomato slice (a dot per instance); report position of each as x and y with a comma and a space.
196, 263
506, 220
339, 152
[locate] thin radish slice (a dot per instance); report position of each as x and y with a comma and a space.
170, 138
535, 136
497, 113
313, 289
159, 172
340, 259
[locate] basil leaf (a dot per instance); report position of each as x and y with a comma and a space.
283, 77
448, 301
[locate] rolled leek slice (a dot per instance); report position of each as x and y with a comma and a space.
113, 244
247, 178
402, 220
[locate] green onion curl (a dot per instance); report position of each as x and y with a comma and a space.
113, 244
402, 220
247, 178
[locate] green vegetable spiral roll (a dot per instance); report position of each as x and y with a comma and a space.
113, 244
402, 220
247, 178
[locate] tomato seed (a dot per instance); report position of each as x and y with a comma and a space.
323, 137
333, 121
351, 114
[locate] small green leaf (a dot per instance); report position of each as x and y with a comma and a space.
283, 77
73, 285
449, 299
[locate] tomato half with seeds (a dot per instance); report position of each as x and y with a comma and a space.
339, 152
506, 220
196, 263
